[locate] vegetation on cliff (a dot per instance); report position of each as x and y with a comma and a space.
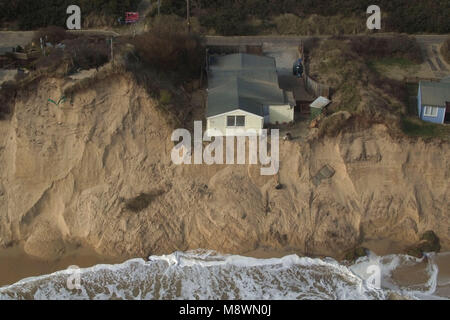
429, 242
232, 17
32, 14
238, 17
445, 50
346, 64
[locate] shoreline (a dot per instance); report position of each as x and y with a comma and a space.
16, 265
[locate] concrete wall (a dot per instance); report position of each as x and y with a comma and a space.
220, 123
281, 114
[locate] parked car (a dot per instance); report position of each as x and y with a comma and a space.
297, 69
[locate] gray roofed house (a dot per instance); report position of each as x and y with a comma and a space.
243, 93
246, 83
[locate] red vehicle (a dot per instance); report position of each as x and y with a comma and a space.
131, 17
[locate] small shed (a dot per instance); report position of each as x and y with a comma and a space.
433, 99
317, 106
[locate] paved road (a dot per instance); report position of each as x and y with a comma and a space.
23, 37
294, 40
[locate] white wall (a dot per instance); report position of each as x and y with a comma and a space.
220, 123
281, 114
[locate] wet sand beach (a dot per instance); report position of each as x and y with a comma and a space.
16, 265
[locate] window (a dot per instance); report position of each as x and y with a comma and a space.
430, 111
235, 121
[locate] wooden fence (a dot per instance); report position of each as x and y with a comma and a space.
317, 88
311, 85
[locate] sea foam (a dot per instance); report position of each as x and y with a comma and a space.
203, 274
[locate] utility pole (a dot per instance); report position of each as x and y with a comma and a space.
188, 16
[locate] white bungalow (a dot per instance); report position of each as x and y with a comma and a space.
244, 94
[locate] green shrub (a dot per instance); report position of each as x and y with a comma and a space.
228, 22
52, 34
165, 97
393, 47
229, 16
171, 24
172, 52
32, 14
79, 53
288, 24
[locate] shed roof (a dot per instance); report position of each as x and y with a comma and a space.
435, 93
320, 103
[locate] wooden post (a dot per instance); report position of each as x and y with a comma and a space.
159, 7
112, 51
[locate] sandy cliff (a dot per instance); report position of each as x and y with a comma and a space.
67, 173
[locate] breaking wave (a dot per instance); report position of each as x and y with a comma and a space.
204, 274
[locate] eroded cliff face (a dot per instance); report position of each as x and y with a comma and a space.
67, 171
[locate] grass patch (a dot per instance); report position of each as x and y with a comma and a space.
396, 50
403, 63
417, 128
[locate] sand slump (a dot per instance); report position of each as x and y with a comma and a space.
204, 274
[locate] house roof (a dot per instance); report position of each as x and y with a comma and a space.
243, 81
244, 94
435, 93
242, 61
